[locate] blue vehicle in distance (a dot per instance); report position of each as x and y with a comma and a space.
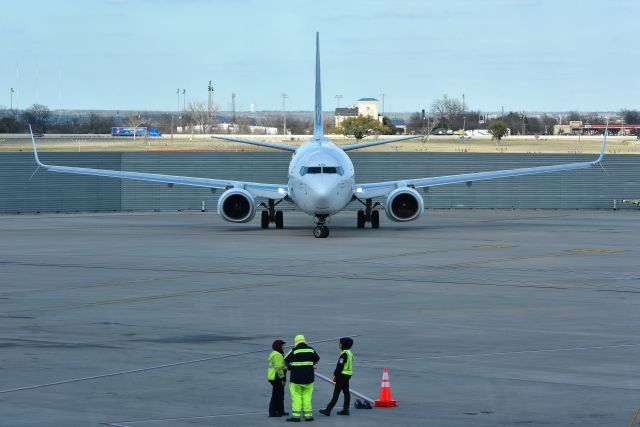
139, 131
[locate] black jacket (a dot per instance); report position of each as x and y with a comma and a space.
300, 362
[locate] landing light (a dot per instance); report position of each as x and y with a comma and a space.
359, 190
281, 190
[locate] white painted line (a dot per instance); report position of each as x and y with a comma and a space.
501, 353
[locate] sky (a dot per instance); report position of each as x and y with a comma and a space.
523, 55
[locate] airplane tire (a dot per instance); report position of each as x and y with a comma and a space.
318, 232
264, 220
375, 219
325, 232
279, 219
361, 219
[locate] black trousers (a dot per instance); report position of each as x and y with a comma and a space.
276, 404
342, 385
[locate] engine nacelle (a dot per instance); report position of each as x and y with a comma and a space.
237, 205
404, 204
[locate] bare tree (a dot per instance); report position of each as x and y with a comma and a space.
448, 111
135, 120
200, 115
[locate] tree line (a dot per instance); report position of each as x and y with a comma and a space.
445, 114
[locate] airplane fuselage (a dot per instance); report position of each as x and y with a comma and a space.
321, 178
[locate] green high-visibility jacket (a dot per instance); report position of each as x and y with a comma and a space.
276, 366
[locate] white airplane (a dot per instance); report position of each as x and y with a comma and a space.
321, 182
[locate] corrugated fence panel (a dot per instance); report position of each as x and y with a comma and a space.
57, 192
51, 192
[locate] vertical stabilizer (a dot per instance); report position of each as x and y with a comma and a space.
318, 130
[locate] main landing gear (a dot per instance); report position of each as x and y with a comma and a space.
321, 231
271, 215
368, 214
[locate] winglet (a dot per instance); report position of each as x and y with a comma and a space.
35, 150
318, 130
604, 144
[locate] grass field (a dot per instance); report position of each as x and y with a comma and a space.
82, 143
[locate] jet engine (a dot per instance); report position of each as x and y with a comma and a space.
237, 205
404, 204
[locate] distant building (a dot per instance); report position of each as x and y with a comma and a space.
367, 107
401, 126
576, 127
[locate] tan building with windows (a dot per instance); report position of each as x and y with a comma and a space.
367, 107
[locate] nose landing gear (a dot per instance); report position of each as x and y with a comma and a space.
321, 231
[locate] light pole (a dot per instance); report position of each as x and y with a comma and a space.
12, 101
179, 116
284, 113
338, 98
382, 103
523, 117
184, 100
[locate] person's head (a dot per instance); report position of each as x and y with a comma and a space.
345, 343
278, 346
299, 339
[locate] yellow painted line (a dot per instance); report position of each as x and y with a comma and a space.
597, 251
494, 246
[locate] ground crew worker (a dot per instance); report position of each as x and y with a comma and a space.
277, 376
341, 376
301, 361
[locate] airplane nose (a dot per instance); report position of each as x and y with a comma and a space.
321, 194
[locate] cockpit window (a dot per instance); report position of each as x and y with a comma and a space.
321, 169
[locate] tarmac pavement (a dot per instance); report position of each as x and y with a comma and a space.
484, 318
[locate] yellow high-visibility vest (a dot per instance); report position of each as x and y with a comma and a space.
276, 366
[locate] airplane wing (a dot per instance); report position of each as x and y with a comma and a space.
379, 189
270, 191
259, 143
349, 147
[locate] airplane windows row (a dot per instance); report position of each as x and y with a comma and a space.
322, 169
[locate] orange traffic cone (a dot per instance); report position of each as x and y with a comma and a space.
385, 392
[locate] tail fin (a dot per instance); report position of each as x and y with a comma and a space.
318, 130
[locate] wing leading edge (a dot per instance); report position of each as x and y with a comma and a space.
379, 189
271, 191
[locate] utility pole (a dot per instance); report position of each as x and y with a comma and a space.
338, 97
210, 91
523, 117
501, 116
464, 108
233, 110
284, 113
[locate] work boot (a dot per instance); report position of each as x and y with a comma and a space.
309, 419
343, 412
326, 412
293, 420
283, 414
